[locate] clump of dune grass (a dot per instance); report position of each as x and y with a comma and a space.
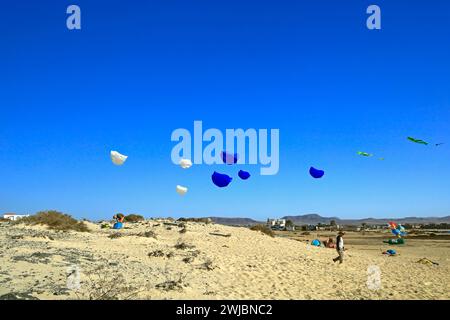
181, 245
147, 234
101, 284
194, 253
208, 265
188, 259
55, 220
198, 220
156, 253
264, 229
134, 218
172, 282
115, 235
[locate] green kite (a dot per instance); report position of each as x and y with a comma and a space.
417, 141
364, 154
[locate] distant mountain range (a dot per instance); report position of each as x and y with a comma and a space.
314, 219
235, 221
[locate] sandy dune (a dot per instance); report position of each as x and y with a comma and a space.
34, 262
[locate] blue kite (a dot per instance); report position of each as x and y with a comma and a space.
244, 175
316, 173
221, 180
229, 158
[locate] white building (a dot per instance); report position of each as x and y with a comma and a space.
276, 224
14, 217
290, 227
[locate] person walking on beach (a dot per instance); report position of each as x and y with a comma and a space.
340, 247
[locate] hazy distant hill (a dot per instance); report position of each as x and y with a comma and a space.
311, 219
235, 221
315, 219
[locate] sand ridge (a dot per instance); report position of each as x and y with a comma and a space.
34, 262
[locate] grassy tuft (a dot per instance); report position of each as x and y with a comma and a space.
55, 220
264, 229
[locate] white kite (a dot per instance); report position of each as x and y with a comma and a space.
117, 158
185, 163
181, 190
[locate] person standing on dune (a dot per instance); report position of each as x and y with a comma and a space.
340, 247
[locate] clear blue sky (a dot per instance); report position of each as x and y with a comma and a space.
139, 69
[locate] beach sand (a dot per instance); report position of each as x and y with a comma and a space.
35, 263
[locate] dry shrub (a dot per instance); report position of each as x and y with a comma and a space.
264, 229
55, 220
194, 253
134, 218
147, 234
156, 253
115, 235
208, 265
102, 284
183, 246
172, 283
188, 259
201, 220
